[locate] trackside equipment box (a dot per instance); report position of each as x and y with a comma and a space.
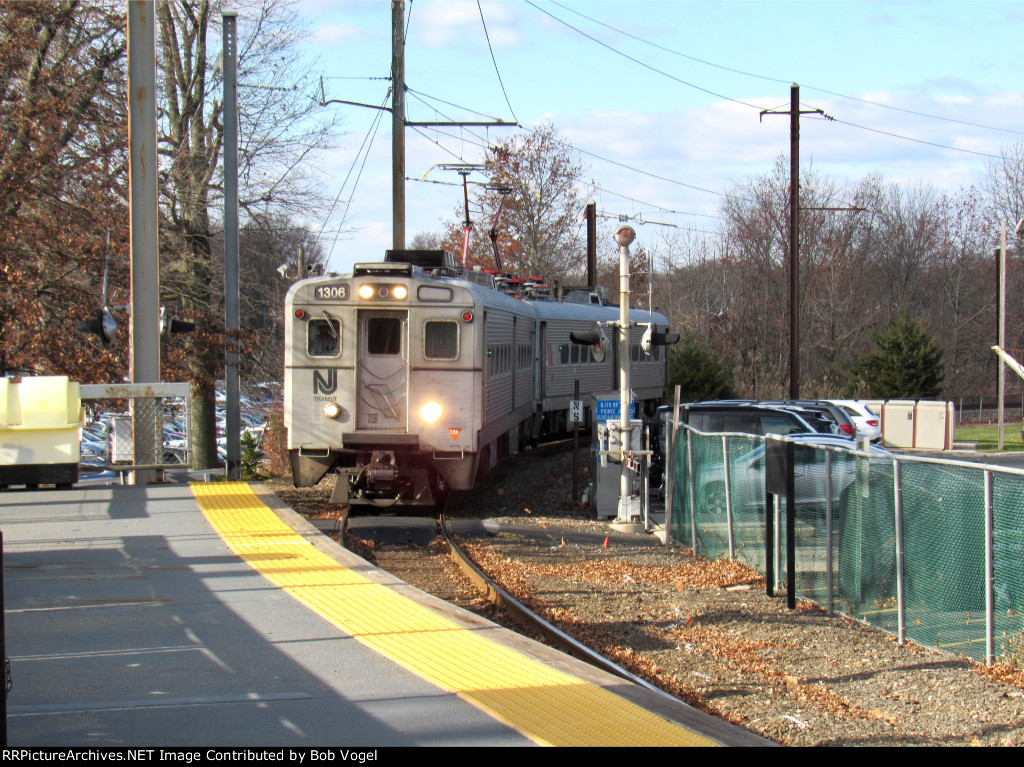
39, 431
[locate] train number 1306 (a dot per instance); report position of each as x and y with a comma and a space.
331, 292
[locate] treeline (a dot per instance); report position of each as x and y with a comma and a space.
876, 258
64, 238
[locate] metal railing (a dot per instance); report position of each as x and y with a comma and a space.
929, 549
136, 437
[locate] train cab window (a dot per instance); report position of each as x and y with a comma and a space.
441, 340
323, 338
384, 336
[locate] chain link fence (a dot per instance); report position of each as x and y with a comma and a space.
138, 417
930, 550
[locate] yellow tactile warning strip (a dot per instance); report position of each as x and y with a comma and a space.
548, 706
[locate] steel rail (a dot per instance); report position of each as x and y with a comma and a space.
531, 620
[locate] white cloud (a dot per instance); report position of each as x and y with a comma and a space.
333, 34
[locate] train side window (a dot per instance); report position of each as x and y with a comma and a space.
441, 340
384, 336
323, 338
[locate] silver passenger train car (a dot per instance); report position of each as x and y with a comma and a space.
411, 378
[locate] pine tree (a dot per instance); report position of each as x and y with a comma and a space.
700, 375
905, 363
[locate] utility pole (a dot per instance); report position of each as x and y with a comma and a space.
624, 237
145, 254
232, 323
794, 234
398, 123
591, 218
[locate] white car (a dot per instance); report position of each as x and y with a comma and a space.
868, 424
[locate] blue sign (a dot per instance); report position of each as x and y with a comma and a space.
611, 410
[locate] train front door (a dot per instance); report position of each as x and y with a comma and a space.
383, 371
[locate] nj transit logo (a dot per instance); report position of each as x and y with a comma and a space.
328, 385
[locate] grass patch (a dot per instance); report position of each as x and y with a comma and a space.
987, 437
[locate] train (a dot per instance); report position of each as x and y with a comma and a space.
410, 377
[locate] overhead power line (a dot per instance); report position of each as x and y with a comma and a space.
756, 76
766, 78
495, 62
643, 64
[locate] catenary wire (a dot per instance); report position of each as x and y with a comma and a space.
638, 62
367, 144
495, 62
778, 80
488, 145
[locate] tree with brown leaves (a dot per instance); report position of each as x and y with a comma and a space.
62, 183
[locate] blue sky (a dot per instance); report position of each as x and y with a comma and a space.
693, 123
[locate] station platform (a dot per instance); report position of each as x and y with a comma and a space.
212, 615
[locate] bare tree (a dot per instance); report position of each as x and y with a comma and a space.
540, 227
62, 175
280, 127
273, 253
1005, 182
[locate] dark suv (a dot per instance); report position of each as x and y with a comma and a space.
841, 423
732, 416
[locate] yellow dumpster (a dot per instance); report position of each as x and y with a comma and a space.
39, 431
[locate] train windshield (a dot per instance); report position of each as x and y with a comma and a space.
384, 336
324, 338
441, 340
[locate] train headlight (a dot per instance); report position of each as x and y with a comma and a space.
399, 292
366, 291
430, 412
332, 410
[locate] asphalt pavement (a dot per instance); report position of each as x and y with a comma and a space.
130, 623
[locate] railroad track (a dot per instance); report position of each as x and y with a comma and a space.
522, 615
528, 618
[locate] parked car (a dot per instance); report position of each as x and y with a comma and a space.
748, 471
749, 417
868, 424
730, 416
92, 470
841, 423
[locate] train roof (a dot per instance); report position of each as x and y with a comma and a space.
481, 284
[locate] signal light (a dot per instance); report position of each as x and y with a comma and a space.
595, 338
103, 325
652, 338
467, 316
170, 325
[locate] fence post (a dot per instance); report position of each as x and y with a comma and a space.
777, 553
990, 601
829, 602
670, 468
901, 617
728, 498
693, 490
